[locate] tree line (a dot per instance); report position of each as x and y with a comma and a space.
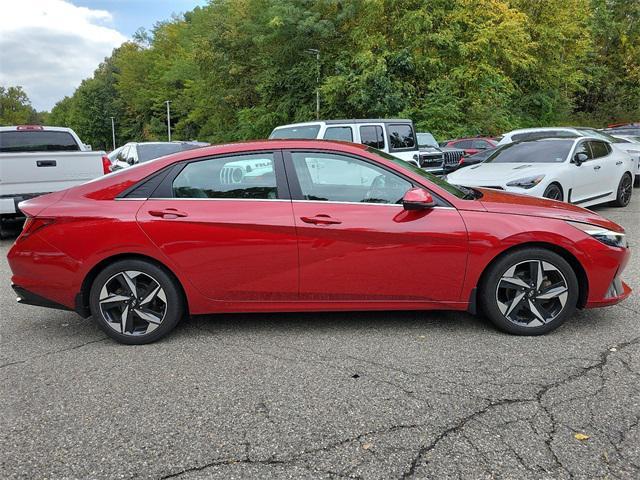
234, 69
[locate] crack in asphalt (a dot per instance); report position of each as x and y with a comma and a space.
53, 352
458, 426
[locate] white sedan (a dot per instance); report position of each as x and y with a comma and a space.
585, 171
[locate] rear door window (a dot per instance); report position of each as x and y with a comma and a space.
344, 134
401, 136
235, 177
37, 141
372, 136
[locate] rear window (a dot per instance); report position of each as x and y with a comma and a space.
37, 141
306, 131
149, 152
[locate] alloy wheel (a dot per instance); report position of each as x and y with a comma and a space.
626, 188
132, 303
553, 193
532, 293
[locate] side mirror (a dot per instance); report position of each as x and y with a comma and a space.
417, 199
580, 158
130, 161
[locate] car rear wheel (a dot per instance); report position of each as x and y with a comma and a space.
553, 192
135, 301
625, 189
529, 292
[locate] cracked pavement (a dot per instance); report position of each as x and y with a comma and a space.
336, 395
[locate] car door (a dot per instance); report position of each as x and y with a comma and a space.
226, 222
608, 168
584, 179
357, 243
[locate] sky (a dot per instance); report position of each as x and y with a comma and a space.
49, 46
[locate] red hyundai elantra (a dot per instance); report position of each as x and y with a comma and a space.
294, 225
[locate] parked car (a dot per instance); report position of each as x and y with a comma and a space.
434, 158
632, 128
584, 170
471, 146
394, 136
133, 153
474, 159
635, 140
35, 160
546, 132
324, 226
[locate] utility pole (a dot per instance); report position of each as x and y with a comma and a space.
168, 119
113, 133
316, 52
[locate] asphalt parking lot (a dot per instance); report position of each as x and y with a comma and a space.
340, 395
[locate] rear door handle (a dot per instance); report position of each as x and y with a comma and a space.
46, 163
597, 167
321, 219
168, 213
619, 162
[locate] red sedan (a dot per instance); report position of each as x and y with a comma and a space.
292, 225
471, 146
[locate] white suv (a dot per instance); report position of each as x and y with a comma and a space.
394, 136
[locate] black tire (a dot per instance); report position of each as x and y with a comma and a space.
170, 303
625, 189
554, 192
491, 290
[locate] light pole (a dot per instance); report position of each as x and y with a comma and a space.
316, 52
113, 133
168, 119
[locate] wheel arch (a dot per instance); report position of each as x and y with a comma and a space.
581, 274
82, 299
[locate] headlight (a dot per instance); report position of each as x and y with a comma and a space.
608, 237
528, 182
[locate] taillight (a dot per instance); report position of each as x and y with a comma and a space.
106, 165
33, 224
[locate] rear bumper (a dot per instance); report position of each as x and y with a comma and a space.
29, 298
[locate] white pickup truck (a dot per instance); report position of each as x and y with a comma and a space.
35, 160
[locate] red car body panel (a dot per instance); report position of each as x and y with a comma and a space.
232, 258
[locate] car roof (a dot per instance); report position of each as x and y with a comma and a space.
45, 128
348, 121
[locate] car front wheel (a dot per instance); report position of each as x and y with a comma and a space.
135, 301
529, 291
553, 192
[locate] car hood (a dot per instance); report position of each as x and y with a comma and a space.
496, 201
497, 173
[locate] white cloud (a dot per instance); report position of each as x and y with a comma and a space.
49, 46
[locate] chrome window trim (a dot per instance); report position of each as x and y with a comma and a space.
223, 199
324, 202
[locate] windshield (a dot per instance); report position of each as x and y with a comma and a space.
535, 151
425, 139
460, 192
300, 131
156, 150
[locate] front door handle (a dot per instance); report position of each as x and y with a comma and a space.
597, 167
321, 219
168, 213
46, 163
619, 162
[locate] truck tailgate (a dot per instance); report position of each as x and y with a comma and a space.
44, 172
